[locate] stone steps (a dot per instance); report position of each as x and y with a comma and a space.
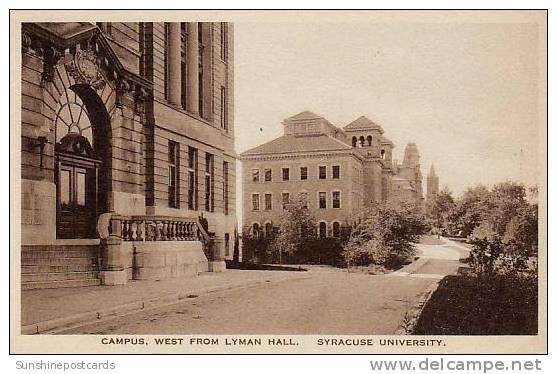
60, 284
49, 266
59, 268
48, 277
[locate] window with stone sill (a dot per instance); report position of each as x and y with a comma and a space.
322, 172
255, 175
285, 199
268, 201
268, 175
336, 199
322, 200
192, 178
336, 171
255, 202
285, 174
173, 174
303, 173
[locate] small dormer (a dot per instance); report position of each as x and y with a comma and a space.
308, 123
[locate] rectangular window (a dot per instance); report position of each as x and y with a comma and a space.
173, 174
285, 199
184, 63
336, 199
223, 109
304, 199
225, 185
285, 174
142, 50
336, 171
192, 178
166, 61
227, 244
255, 175
209, 183
322, 172
200, 72
268, 201
255, 201
268, 175
322, 200
303, 173
223, 41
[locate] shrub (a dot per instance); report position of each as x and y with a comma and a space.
385, 236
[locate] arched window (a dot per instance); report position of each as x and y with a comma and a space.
369, 139
362, 141
255, 229
354, 141
336, 230
72, 117
322, 229
268, 229
382, 153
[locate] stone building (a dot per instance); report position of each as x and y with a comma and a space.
127, 153
338, 172
407, 183
432, 184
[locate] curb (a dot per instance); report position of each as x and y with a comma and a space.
410, 268
74, 321
408, 324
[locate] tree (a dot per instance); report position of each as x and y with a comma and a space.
385, 236
297, 226
471, 209
440, 209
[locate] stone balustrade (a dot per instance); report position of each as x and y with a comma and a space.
154, 228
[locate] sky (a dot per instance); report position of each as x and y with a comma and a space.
467, 93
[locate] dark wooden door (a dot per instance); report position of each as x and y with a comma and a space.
77, 201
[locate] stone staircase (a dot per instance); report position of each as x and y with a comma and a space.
56, 266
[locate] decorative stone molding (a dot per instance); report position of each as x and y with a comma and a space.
89, 59
50, 59
84, 67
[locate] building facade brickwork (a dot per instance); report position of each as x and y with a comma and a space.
338, 171
128, 118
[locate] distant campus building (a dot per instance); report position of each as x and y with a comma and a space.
127, 151
432, 184
337, 172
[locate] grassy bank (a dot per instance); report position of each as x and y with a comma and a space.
470, 305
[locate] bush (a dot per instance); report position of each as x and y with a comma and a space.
385, 236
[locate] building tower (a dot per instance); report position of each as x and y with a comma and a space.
432, 183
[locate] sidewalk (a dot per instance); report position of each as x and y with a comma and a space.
49, 309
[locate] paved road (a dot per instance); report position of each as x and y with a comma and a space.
330, 301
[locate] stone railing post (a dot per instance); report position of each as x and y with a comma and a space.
113, 255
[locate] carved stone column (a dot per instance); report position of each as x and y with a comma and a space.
192, 104
174, 64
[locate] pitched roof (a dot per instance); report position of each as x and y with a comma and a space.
303, 116
295, 144
363, 123
385, 140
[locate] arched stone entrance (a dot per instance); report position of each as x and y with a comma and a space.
82, 156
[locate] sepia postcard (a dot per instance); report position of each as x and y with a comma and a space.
307, 182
